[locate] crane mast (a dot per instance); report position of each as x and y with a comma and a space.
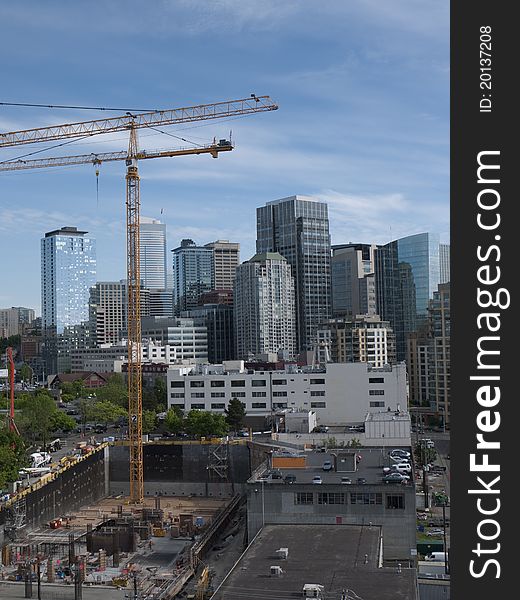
130, 122
135, 392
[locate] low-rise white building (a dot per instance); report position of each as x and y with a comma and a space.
339, 393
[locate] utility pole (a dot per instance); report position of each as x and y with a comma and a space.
444, 537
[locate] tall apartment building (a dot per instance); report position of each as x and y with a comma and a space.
14, 320
264, 306
440, 358
444, 259
363, 339
226, 258
68, 271
353, 280
297, 227
192, 274
407, 274
108, 311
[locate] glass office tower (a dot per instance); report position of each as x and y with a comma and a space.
298, 228
68, 271
192, 275
407, 275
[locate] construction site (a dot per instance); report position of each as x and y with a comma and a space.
93, 521
65, 536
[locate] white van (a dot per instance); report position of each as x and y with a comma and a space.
437, 557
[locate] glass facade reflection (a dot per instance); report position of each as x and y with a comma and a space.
297, 227
192, 275
68, 271
407, 275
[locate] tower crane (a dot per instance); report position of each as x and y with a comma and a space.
132, 122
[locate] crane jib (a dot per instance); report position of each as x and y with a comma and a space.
174, 116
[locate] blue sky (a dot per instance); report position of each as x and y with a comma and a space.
363, 123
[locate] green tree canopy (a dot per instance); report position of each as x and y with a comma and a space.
205, 423
62, 421
173, 420
149, 421
106, 412
36, 416
235, 413
115, 391
12, 456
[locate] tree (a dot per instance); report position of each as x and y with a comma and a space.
25, 372
205, 423
36, 416
62, 421
115, 391
106, 412
149, 421
12, 456
235, 413
173, 420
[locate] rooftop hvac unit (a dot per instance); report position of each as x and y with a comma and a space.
282, 553
275, 571
313, 590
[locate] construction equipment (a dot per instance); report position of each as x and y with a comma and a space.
83, 129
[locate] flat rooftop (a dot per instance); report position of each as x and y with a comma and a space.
369, 467
339, 557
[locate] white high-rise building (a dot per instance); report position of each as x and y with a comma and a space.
264, 303
152, 251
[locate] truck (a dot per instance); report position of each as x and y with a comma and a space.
39, 459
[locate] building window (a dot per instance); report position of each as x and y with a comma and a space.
175, 384
376, 392
395, 501
332, 498
279, 394
177, 395
197, 394
238, 383
280, 404
259, 394
198, 406
197, 384
318, 393
218, 383
279, 381
258, 405
317, 381
376, 380
238, 394
377, 404
318, 404
304, 498
366, 498
218, 394
258, 383
218, 405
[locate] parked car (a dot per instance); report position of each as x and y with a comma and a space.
361, 480
290, 478
317, 479
427, 442
276, 474
403, 467
399, 452
396, 458
395, 478
346, 480
327, 465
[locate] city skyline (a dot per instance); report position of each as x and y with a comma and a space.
362, 123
